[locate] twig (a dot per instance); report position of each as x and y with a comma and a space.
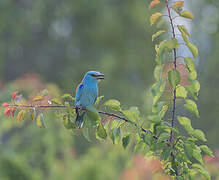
64, 106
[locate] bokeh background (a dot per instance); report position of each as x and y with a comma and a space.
51, 44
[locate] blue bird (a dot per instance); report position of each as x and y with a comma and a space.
86, 94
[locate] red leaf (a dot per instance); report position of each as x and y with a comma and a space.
12, 112
5, 104
14, 94
7, 111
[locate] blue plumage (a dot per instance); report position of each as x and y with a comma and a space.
86, 94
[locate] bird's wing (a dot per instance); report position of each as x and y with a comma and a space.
79, 92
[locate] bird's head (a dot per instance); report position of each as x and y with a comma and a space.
93, 76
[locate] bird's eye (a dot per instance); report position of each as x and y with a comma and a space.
93, 75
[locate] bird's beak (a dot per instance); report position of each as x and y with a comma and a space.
100, 76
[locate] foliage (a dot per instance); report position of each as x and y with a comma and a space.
180, 154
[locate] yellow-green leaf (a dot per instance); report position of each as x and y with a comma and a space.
38, 98
187, 14
186, 123
40, 121
101, 132
157, 34
154, 17
193, 49
174, 77
183, 30
113, 104
191, 107
181, 92
21, 115
197, 133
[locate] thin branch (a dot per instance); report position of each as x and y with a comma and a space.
100, 112
174, 91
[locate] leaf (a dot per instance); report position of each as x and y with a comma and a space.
193, 89
158, 72
13, 95
101, 132
183, 30
154, 17
179, 4
187, 14
163, 111
93, 114
113, 104
85, 132
157, 34
205, 149
38, 98
191, 107
5, 104
188, 147
44, 92
99, 100
40, 121
174, 77
197, 133
21, 115
197, 154
132, 114
125, 141
67, 97
154, 3
193, 49
186, 123
191, 68
115, 135
154, 119
201, 170
163, 137
181, 92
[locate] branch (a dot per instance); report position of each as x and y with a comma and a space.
64, 106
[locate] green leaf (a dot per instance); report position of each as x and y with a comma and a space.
197, 154
125, 141
154, 119
186, 123
193, 49
157, 90
85, 132
183, 30
187, 14
115, 135
158, 72
38, 98
201, 170
101, 132
191, 68
99, 100
193, 89
181, 92
113, 104
166, 153
205, 149
68, 98
93, 114
174, 77
40, 121
199, 135
56, 101
163, 111
163, 137
157, 34
67, 122
154, 17
191, 107
188, 147
132, 114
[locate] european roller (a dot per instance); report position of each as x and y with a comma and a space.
86, 94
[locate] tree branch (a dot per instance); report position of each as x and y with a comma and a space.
64, 106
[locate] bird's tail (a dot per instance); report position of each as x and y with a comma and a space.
79, 118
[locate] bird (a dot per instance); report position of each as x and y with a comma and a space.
86, 94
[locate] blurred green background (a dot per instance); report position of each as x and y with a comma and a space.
51, 44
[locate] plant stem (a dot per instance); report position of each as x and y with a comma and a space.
174, 91
64, 106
